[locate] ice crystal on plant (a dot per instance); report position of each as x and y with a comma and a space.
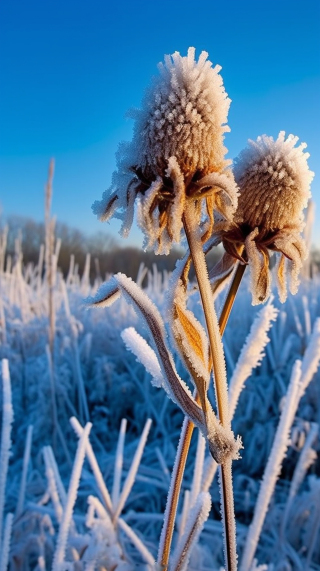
176, 154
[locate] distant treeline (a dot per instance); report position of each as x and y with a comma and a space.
107, 255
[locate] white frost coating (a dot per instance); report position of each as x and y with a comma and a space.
184, 513
94, 465
227, 514
307, 457
118, 463
144, 354
198, 469
103, 544
195, 522
311, 358
106, 295
26, 458
272, 470
133, 471
132, 292
52, 487
144, 552
7, 419
5, 547
59, 553
57, 477
252, 353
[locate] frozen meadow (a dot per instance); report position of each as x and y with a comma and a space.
88, 444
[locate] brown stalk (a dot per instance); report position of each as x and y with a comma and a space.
186, 434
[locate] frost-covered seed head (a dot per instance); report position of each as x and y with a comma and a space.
274, 181
176, 155
184, 115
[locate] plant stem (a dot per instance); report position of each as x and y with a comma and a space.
220, 380
185, 439
174, 492
224, 316
200, 266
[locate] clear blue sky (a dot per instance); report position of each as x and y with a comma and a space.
70, 69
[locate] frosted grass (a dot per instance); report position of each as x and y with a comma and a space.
106, 380
7, 420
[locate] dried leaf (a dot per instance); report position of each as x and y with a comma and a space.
175, 386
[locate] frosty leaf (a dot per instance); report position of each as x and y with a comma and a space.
281, 279
176, 210
106, 295
147, 217
225, 202
252, 352
311, 357
175, 386
192, 343
6, 443
145, 355
294, 249
259, 264
105, 210
272, 470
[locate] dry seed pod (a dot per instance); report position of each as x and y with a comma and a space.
274, 182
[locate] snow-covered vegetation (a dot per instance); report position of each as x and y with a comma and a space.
116, 430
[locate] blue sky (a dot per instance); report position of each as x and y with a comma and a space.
70, 70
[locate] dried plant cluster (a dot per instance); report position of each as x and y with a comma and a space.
175, 176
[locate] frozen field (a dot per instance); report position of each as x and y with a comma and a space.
69, 361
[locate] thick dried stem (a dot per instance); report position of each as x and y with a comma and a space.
221, 390
185, 439
174, 492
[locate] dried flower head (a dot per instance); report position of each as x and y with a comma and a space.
274, 183
176, 154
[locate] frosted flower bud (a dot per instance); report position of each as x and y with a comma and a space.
176, 154
274, 182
